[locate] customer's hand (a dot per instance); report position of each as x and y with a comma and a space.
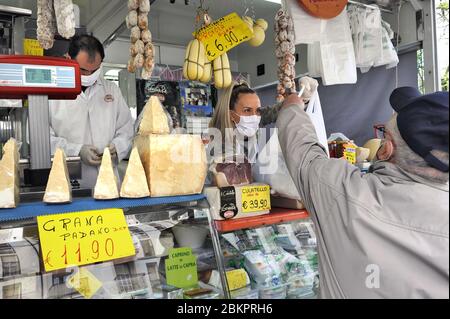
90, 156
292, 100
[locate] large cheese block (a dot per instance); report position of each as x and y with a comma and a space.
106, 186
174, 164
135, 182
58, 188
154, 120
9, 175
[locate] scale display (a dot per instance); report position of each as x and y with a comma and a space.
38, 76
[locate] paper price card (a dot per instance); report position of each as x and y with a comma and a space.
84, 282
237, 279
350, 155
223, 35
181, 268
255, 198
32, 47
84, 238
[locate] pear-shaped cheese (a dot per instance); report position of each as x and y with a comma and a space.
135, 182
373, 145
106, 186
58, 188
9, 175
155, 119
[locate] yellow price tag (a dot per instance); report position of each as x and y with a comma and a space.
84, 238
32, 47
223, 35
255, 198
237, 279
84, 282
350, 155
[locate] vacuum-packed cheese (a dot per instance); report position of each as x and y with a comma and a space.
154, 120
106, 186
174, 164
58, 188
9, 175
135, 182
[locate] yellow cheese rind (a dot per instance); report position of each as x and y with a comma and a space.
222, 72
154, 120
194, 61
58, 188
174, 164
106, 186
135, 182
9, 175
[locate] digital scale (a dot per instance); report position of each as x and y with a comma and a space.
39, 79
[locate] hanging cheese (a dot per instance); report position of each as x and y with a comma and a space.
58, 188
155, 119
194, 61
9, 175
222, 73
258, 36
174, 164
135, 182
106, 186
207, 72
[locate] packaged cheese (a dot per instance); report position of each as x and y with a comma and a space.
106, 186
135, 182
174, 164
154, 120
9, 175
58, 188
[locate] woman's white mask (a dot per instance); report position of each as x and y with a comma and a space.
248, 125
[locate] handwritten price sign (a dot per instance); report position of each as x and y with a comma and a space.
84, 238
32, 47
223, 35
255, 198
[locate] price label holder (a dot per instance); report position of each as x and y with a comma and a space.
255, 198
84, 282
223, 35
237, 279
32, 47
84, 238
181, 268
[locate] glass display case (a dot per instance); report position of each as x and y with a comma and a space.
154, 231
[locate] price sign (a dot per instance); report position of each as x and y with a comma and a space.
223, 35
181, 268
255, 198
237, 279
84, 238
32, 47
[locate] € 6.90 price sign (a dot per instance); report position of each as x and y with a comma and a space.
223, 35
84, 238
255, 198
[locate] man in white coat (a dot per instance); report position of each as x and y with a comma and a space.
97, 119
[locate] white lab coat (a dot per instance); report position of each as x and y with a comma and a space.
99, 116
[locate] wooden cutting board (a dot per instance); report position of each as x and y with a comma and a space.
324, 9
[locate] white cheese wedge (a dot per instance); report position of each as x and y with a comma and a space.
135, 182
154, 120
58, 188
106, 186
9, 175
174, 164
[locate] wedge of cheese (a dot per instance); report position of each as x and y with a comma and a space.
135, 182
58, 189
174, 164
9, 175
106, 186
154, 120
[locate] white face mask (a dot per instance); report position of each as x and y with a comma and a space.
248, 125
89, 80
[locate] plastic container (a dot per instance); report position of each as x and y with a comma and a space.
190, 235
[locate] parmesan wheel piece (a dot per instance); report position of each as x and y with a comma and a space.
146, 36
131, 19
135, 182
174, 164
135, 34
144, 6
106, 186
58, 188
155, 119
143, 20
9, 175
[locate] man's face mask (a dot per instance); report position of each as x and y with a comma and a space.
89, 80
248, 125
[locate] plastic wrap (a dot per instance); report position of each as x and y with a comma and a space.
9, 175
65, 18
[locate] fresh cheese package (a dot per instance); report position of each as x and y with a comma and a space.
174, 164
235, 202
106, 186
154, 119
9, 175
135, 182
58, 189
